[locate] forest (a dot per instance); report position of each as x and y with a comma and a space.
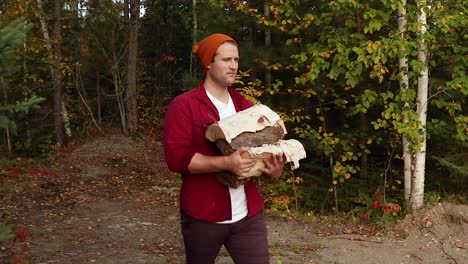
376, 91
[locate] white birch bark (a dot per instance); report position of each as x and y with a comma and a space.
404, 85
417, 190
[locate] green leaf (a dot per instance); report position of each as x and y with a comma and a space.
4, 122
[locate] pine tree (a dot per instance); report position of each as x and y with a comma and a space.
11, 37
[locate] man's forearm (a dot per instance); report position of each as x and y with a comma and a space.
204, 164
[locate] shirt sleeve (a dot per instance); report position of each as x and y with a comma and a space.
178, 147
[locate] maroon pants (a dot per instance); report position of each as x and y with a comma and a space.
245, 240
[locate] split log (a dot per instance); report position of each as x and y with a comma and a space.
262, 131
291, 148
252, 127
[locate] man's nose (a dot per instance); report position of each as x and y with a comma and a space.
233, 63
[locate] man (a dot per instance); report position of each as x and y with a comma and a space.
213, 214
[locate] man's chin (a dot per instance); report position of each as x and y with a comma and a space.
230, 81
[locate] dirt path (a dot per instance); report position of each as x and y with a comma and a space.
115, 202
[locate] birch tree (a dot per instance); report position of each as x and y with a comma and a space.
417, 184
404, 84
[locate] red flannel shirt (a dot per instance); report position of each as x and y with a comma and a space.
201, 195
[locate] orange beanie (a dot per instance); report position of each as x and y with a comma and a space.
206, 48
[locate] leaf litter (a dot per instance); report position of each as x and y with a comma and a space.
113, 200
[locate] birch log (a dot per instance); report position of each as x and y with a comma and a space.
261, 130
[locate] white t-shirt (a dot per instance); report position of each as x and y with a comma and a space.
238, 198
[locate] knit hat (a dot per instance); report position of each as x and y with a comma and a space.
206, 48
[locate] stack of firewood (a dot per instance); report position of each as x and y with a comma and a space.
261, 130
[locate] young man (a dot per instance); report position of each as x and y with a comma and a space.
213, 214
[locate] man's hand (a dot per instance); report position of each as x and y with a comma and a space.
274, 166
239, 165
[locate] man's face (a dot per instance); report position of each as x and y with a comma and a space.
223, 69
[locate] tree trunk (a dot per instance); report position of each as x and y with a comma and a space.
98, 99
404, 85
363, 122
80, 89
58, 82
7, 129
194, 36
417, 190
131, 95
266, 10
74, 5
51, 53
118, 89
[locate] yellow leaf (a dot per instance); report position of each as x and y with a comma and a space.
347, 176
335, 182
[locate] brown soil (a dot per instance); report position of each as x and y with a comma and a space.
112, 200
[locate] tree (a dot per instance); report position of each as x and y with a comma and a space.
11, 37
132, 54
107, 59
417, 184
345, 62
194, 36
50, 54
404, 85
58, 80
266, 12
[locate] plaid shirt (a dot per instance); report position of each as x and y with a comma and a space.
201, 195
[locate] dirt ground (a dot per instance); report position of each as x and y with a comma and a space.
112, 200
